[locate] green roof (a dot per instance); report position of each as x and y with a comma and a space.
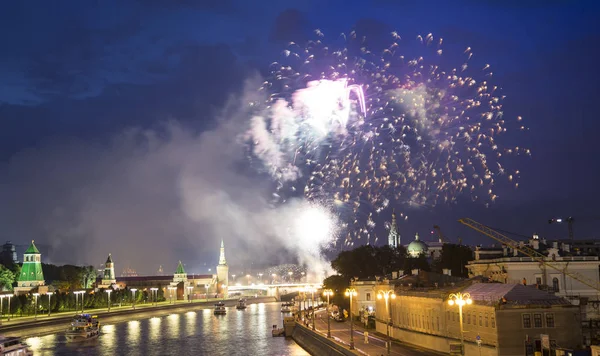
32, 249
180, 269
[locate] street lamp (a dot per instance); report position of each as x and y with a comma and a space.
171, 294
460, 299
108, 291
351, 292
312, 290
274, 275
154, 295
49, 300
206, 286
8, 311
387, 295
328, 293
290, 273
36, 295
77, 293
133, 290
233, 276
1, 307
189, 288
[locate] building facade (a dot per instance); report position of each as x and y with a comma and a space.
503, 317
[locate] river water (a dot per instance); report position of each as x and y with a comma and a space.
240, 332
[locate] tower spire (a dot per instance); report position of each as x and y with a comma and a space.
394, 236
222, 260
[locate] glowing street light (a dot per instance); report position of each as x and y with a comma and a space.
328, 293
290, 273
189, 289
77, 293
171, 289
49, 300
387, 295
36, 295
108, 291
274, 275
351, 292
1, 307
133, 290
154, 292
8, 311
460, 299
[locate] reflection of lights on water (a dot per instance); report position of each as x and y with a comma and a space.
34, 342
155, 328
190, 323
108, 337
133, 328
173, 326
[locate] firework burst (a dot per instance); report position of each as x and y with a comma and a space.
360, 130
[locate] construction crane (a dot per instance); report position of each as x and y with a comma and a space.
569, 222
528, 251
439, 233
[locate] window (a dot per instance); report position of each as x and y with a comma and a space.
493, 322
468, 318
438, 323
538, 281
368, 297
452, 316
555, 284
549, 320
486, 321
480, 319
537, 320
526, 321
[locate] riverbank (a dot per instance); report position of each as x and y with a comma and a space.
57, 323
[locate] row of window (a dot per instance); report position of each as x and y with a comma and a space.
471, 318
537, 320
32, 259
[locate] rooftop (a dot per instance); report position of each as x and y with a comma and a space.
514, 294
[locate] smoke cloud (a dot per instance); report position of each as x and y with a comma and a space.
155, 196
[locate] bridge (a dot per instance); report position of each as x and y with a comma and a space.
274, 290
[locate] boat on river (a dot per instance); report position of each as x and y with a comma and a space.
83, 327
287, 307
220, 309
13, 346
241, 305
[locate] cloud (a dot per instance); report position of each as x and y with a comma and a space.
154, 196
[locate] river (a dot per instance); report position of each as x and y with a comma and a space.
240, 332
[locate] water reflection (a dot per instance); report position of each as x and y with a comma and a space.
190, 323
173, 326
239, 332
155, 328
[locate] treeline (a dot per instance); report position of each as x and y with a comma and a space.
24, 305
368, 262
67, 277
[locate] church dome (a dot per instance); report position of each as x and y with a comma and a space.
417, 247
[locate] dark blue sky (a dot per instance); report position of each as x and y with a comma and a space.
77, 74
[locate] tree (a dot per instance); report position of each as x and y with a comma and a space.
454, 257
416, 263
368, 261
338, 285
7, 278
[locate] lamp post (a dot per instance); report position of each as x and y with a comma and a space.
189, 289
77, 293
49, 302
233, 277
387, 295
206, 286
312, 304
328, 293
8, 311
1, 307
351, 292
154, 295
36, 295
108, 291
171, 294
460, 299
133, 290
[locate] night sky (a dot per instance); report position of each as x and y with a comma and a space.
112, 134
